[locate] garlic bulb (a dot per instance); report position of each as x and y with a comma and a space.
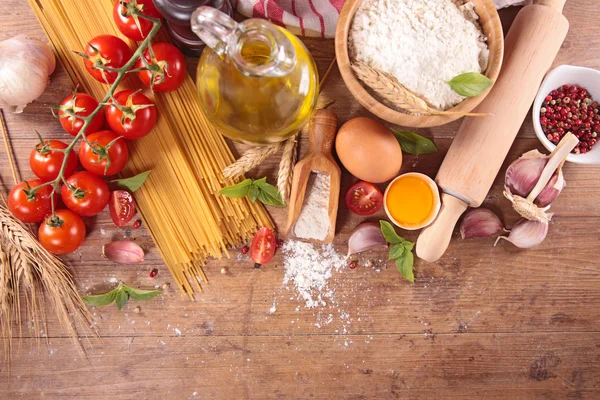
25, 65
526, 234
366, 236
480, 222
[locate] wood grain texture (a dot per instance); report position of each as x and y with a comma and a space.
483, 322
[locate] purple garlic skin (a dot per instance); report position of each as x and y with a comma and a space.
523, 174
526, 233
480, 222
123, 252
552, 190
365, 236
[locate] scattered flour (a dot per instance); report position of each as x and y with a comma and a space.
313, 221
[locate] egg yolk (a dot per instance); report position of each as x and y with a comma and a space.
410, 200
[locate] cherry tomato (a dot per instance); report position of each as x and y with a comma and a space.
127, 23
364, 198
83, 105
85, 193
45, 162
167, 71
107, 154
263, 246
122, 207
62, 232
136, 118
108, 51
30, 205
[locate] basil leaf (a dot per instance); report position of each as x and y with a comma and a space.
260, 182
122, 298
99, 300
405, 266
237, 191
132, 184
269, 194
389, 233
470, 84
253, 193
408, 245
396, 251
139, 294
412, 143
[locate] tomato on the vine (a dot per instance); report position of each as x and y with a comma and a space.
106, 154
263, 246
83, 105
167, 69
130, 25
364, 198
133, 116
45, 160
85, 193
108, 51
122, 207
29, 204
62, 232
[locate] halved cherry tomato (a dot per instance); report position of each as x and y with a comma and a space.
45, 162
28, 204
364, 198
122, 207
83, 105
62, 232
135, 119
108, 51
167, 68
263, 246
107, 154
85, 193
126, 22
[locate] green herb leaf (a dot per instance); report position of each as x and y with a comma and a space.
122, 298
100, 300
269, 194
139, 294
470, 84
253, 193
237, 191
412, 143
389, 233
132, 184
405, 266
396, 251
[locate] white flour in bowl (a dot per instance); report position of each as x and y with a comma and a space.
423, 43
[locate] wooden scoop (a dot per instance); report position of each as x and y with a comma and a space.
322, 129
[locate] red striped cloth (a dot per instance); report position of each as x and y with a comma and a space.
307, 17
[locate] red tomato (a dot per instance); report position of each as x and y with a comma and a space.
28, 206
167, 71
62, 232
122, 207
45, 162
136, 118
85, 193
263, 246
83, 105
364, 198
127, 23
108, 51
107, 154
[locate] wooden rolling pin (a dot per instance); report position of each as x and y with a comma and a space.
481, 144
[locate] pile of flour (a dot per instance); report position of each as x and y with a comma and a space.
423, 43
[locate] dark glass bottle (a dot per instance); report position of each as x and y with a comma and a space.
178, 13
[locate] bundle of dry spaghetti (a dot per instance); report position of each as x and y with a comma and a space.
188, 220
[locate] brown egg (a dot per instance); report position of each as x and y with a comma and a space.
369, 150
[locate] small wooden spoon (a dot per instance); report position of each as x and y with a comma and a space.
322, 129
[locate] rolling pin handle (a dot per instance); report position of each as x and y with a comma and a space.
558, 5
433, 240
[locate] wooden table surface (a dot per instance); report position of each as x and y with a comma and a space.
494, 322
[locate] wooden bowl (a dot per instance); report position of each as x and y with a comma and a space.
492, 28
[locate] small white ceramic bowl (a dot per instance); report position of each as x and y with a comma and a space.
587, 78
436, 201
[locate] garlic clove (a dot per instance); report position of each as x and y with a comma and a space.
123, 252
552, 189
526, 233
523, 174
365, 236
480, 222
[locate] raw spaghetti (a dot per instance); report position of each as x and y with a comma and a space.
188, 220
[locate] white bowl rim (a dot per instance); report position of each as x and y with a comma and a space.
436, 199
593, 157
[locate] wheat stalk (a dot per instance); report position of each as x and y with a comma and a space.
286, 167
388, 87
251, 159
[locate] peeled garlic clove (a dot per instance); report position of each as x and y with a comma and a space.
123, 252
523, 174
526, 233
480, 222
365, 236
552, 189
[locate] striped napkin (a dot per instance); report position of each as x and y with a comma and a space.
310, 17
